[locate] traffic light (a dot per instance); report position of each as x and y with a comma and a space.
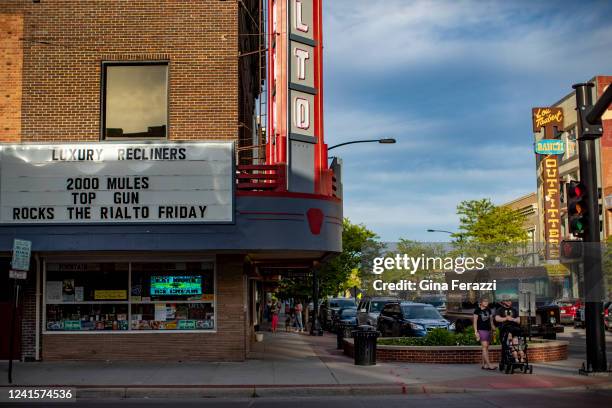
577, 208
571, 250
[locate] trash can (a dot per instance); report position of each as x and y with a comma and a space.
365, 345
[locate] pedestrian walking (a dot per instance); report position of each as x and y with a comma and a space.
274, 310
298, 317
483, 329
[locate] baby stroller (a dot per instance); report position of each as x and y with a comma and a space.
508, 362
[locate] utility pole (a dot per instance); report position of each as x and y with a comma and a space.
590, 129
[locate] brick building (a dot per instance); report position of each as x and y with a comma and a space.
131, 159
571, 275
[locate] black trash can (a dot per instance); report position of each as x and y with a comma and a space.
365, 345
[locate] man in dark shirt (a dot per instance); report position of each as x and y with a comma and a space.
508, 318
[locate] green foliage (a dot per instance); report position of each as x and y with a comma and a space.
341, 272
334, 274
485, 223
496, 231
437, 337
607, 267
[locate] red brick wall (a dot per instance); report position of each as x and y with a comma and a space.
65, 42
536, 354
228, 344
50, 86
28, 318
11, 61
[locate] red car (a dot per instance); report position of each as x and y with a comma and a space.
568, 309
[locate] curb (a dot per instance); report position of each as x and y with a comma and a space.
196, 392
91, 392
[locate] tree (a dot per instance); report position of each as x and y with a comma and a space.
340, 273
497, 231
485, 223
469, 212
333, 275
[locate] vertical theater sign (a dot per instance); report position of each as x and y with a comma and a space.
295, 108
551, 121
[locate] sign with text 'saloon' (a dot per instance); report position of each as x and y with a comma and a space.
116, 183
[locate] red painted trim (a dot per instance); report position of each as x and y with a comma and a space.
274, 219
286, 194
270, 213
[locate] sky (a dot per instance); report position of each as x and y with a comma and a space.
454, 82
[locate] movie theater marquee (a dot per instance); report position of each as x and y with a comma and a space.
116, 183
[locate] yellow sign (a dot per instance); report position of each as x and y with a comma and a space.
209, 297
557, 270
114, 294
544, 117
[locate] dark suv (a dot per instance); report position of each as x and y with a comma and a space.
408, 319
370, 307
329, 307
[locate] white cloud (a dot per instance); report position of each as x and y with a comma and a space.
408, 35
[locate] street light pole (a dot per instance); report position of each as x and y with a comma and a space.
381, 141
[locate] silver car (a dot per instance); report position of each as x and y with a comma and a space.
369, 309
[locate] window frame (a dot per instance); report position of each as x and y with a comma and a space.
103, 69
128, 302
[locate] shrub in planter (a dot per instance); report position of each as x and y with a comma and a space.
438, 337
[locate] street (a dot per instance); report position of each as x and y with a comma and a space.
502, 398
577, 344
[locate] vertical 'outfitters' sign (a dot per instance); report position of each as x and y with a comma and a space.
550, 120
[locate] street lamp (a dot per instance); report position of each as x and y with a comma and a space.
433, 230
460, 236
382, 141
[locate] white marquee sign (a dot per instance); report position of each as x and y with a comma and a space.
116, 183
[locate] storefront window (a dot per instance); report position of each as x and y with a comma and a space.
162, 296
172, 296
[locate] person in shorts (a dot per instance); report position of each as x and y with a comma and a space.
483, 329
510, 323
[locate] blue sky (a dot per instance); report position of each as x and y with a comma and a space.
454, 83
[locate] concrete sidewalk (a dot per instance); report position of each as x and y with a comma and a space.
284, 364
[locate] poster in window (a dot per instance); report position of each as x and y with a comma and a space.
160, 312
54, 291
78, 293
68, 290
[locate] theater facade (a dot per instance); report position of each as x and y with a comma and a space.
139, 156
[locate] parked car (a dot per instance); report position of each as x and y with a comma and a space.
579, 320
370, 307
437, 301
568, 309
331, 306
407, 319
346, 316
608, 316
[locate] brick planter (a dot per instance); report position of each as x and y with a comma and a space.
539, 351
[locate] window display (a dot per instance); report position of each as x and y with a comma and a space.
162, 296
